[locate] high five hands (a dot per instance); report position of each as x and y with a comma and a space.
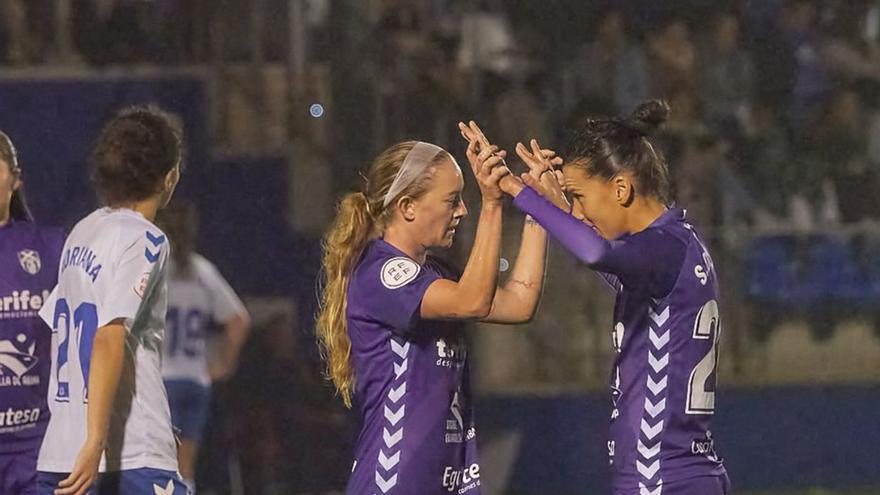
543, 176
487, 163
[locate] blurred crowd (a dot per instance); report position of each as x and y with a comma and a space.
775, 119
776, 103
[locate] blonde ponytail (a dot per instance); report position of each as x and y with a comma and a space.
343, 245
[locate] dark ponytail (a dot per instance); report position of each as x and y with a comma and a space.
18, 208
605, 147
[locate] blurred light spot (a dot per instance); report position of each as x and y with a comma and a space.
503, 265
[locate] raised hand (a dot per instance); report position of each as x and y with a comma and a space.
538, 160
544, 175
487, 162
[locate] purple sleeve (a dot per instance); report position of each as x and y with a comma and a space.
399, 307
643, 260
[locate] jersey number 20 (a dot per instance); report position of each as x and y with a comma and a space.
701, 390
82, 325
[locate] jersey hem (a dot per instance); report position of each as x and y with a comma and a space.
627, 485
138, 463
206, 382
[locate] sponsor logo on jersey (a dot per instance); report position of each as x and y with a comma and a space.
616, 394
455, 426
398, 272
12, 420
705, 447
17, 357
611, 446
30, 261
461, 480
450, 355
21, 304
82, 257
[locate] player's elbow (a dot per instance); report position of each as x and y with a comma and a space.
477, 309
526, 318
241, 322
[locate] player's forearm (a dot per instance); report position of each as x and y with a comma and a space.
517, 300
527, 277
108, 356
577, 237
480, 277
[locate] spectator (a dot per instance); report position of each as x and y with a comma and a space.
727, 76
844, 52
673, 58
693, 155
788, 67
16, 38
765, 164
517, 112
840, 154
811, 83
611, 67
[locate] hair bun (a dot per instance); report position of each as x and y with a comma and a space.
649, 116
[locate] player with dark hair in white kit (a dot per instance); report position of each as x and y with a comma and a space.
109, 409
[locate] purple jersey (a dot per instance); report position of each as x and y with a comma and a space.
28, 271
412, 386
666, 331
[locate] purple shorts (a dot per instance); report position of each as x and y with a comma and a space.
705, 485
18, 473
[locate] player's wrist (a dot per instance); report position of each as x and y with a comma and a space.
95, 442
492, 204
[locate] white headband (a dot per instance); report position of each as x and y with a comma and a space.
417, 160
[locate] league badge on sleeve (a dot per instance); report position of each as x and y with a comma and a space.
141, 287
398, 272
30, 261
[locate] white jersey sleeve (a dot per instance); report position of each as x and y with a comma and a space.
225, 303
134, 276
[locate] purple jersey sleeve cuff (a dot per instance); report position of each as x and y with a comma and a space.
576, 236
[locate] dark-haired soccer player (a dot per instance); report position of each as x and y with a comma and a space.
107, 313
666, 328
28, 260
